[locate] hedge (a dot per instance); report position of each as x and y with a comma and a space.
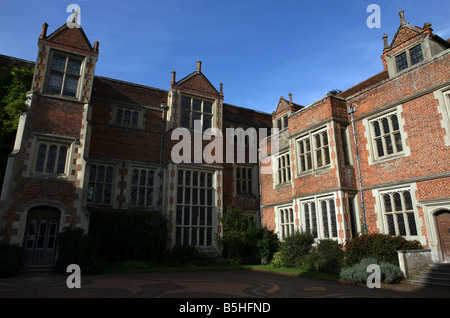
132, 235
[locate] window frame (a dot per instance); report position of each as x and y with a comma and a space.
96, 183
194, 225
43, 159
191, 111
407, 53
320, 228
324, 149
404, 212
240, 181
374, 137
283, 174
65, 74
139, 187
286, 217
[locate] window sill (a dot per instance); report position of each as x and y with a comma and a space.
389, 158
62, 97
44, 175
313, 171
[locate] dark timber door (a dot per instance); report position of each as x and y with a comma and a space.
40, 236
443, 223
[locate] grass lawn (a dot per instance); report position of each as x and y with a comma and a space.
140, 267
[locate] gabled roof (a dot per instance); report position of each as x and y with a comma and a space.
73, 36
197, 83
285, 104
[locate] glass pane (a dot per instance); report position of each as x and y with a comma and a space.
397, 202
71, 86
389, 145
325, 219
119, 114
134, 177
398, 142
98, 193
55, 83
376, 129
196, 117
51, 160
385, 123
207, 122
41, 234
412, 224
394, 121
41, 158
92, 172
133, 195
185, 119
101, 173
387, 203
180, 177
149, 201
180, 195
126, 117
150, 178
62, 160
401, 61
74, 66
401, 224
333, 219
408, 201
391, 225
185, 102
317, 139
142, 178
197, 105
327, 155
179, 216
58, 63
207, 107
187, 196
416, 54
134, 120
380, 149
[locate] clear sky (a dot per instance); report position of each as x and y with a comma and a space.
259, 49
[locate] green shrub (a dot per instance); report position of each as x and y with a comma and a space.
11, 257
382, 247
327, 257
74, 247
357, 273
267, 245
294, 247
183, 255
134, 235
243, 242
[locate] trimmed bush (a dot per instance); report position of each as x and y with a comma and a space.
327, 257
135, 235
243, 242
357, 273
183, 255
382, 247
294, 247
11, 257
74, 247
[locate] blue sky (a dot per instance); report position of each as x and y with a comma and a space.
260, 50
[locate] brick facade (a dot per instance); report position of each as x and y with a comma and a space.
395, 178
108, 146
111, 144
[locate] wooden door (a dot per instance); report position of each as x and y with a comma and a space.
40, 236
443, 223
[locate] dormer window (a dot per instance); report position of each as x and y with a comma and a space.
193, 109
409, 58
282, 122
64, 75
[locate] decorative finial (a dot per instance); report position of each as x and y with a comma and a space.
402, 17
385, 40
199, 66
290, 99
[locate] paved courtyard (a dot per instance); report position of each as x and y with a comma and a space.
204, 284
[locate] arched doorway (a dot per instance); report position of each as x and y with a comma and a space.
443, 225
40, 236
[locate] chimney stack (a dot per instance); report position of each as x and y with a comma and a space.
402, 17
44, 31
199, 66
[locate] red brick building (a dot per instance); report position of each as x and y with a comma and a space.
375, 157
92, 142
